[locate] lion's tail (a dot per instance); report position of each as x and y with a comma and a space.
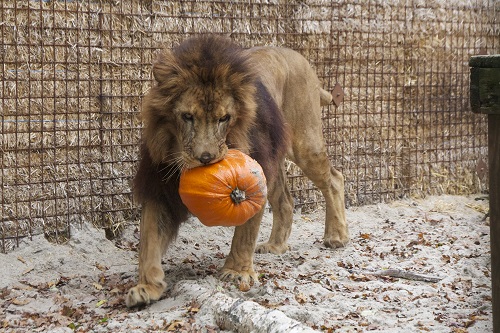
325, 97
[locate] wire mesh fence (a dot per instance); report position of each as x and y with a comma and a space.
73, 74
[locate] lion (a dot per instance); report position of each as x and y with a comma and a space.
211, 95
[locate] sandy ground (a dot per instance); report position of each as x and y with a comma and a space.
80, 286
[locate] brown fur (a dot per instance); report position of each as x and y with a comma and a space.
212, 95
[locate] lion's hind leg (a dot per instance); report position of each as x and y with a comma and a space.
154, 241
282, 205
314, 162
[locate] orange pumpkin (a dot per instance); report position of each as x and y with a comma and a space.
226, 193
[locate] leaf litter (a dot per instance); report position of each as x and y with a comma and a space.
415, 265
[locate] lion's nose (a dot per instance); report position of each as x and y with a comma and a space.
206, 157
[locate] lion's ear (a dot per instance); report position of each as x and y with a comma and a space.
164, 67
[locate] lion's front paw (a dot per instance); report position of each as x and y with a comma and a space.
143, 294
336, 241
244, 278
272, 248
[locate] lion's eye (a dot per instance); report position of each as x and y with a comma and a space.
224, 118
187, 117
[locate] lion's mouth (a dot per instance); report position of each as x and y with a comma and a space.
193, 162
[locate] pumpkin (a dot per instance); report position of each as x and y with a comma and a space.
226, 193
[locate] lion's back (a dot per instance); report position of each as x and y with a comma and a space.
292, 83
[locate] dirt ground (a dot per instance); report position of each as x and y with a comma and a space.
411, 265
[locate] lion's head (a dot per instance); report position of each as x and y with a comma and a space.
203, 102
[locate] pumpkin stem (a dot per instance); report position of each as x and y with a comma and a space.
237, 195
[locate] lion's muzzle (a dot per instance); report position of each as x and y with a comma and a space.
206, 158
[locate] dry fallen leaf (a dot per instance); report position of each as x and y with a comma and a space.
188, 260
17, 301
4, 292
458, 330
301, 298
176, 324
193, 310
100, 303
114, 291
266, 303
194, 307
21, 259
278, 285
68, 311
101, 267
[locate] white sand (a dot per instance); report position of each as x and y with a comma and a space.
80, 285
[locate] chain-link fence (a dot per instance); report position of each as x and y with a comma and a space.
73, 74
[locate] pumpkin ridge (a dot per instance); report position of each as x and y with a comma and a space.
222, 181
